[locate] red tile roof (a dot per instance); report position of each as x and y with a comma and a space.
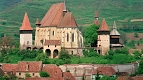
104, 26
96, 22
52, 42
68, 21
53, 78
33, 66
9, 67
68, 76
53, 15
124, 78
55, 18
26, 23
137, 78
109, 71
53, 70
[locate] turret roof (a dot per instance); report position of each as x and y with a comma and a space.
104, 26
114, 31
26, 23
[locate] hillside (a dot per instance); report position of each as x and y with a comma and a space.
122, 11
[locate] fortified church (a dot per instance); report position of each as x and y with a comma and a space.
58, 29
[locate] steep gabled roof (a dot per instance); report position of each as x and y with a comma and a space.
104, 26
53, 15
26, 23
96, 22
114, 31
68, 21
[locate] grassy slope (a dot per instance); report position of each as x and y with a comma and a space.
83, 10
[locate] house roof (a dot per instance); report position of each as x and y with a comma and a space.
32, 66
114, 31
68, 76
109, 71
68, 21
124, 78
53, 70
104, 26
26, 23
55, 18
51, 78
9, 67
137, 78
52, 42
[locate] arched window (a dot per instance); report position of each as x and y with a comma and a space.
72, 37
67, 37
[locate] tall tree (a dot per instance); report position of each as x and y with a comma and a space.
91, 34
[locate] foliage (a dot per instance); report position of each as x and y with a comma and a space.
27, 75
42, 57
136, 35
44, 74
91, 34
64, 54
140, 68
107, 78
137, 54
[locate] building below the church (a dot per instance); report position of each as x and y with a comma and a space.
57, 29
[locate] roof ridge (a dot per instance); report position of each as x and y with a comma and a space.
104, 26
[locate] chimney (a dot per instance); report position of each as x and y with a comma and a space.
27, 66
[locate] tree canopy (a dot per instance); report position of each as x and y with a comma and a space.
91, 34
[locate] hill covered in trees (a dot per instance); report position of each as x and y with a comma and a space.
122, 11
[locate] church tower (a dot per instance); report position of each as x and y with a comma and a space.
96, 21
114, 37
25, 32
103, 38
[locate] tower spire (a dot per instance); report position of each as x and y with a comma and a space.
114, 25
26, 23
65, 9
96, 15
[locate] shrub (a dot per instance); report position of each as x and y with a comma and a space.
44, 74
27, 75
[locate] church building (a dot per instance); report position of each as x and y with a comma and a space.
58, 29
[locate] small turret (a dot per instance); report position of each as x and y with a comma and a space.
37, 23
64, 9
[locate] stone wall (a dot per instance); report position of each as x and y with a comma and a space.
79, 70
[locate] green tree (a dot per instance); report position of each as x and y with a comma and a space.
27, 75
140, 68
42, 57
137, 54
91, 34
64, 54
44, 74
107, 78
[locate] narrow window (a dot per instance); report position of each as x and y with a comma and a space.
27, 42
48, 45
67, 37
53, 33
55, 45
33, 74
72, 37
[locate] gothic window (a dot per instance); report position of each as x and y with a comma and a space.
67, 37
72, 37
